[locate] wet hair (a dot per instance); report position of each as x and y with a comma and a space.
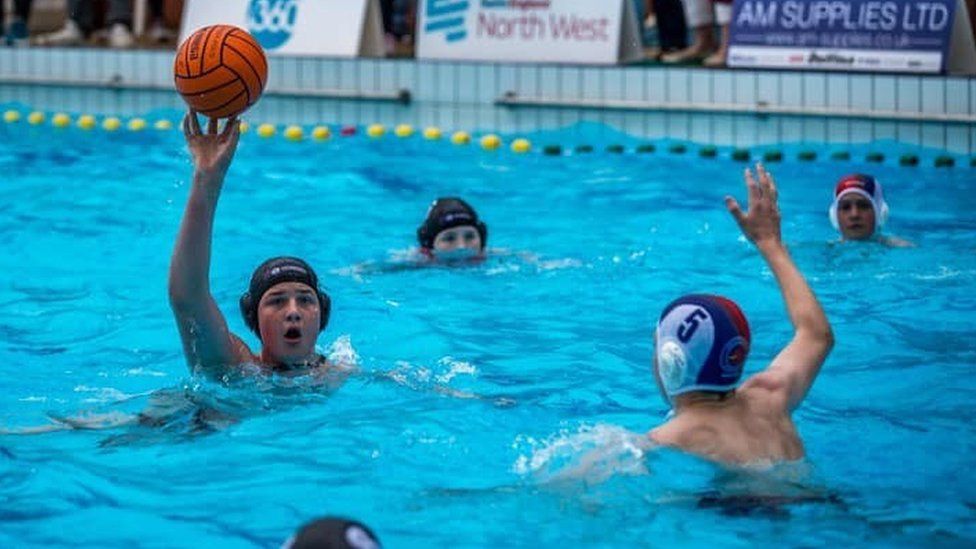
333, 533
447, 213
276, 271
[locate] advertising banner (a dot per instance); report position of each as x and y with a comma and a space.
855, 35
560, 31
343, 28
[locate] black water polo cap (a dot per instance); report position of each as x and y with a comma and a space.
275, 271
447, 213
333, 533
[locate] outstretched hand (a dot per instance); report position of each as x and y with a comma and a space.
212, 151
761, 223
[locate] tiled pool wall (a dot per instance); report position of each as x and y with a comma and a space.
721, 107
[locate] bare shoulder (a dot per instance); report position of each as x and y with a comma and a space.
895, 242
660, 435
241, 349
242, 353
769, 388
684, 432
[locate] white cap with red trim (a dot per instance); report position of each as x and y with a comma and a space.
866, 186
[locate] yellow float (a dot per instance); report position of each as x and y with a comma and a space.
375, 131
491, 142
86, 122
294, 133
321, 133
61, 120
521, 146
403, 130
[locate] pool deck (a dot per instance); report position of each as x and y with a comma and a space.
720, 107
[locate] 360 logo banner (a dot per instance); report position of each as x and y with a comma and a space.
346, 28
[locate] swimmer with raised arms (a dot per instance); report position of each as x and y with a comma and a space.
701, 344
283, 306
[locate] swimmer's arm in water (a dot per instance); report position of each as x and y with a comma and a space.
794, 369
611, 457
207, 342
81, 422
895, 242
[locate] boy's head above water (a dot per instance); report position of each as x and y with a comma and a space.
859, 209
286, 309
452, 229
700, 345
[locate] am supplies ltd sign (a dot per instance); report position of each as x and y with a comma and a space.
561, 31
855, 35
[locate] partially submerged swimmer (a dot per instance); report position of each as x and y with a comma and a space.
283, 306
701, 344
452, 231
859, 210
333, 533
450, 235
287, 310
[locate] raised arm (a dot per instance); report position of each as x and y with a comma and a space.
207, 343
793, 370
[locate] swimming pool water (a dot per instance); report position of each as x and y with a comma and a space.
479, 389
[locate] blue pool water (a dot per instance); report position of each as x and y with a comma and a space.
479, 390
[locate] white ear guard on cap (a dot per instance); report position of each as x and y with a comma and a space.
672, 367
679, 362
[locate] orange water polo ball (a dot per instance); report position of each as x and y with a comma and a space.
220, 71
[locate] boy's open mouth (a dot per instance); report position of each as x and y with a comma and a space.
293, 334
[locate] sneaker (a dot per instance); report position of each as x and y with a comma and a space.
17, 33
158, 33
715, 60
119, 36
69, 35
693, 54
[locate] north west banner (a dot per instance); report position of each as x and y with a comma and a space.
562, 31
